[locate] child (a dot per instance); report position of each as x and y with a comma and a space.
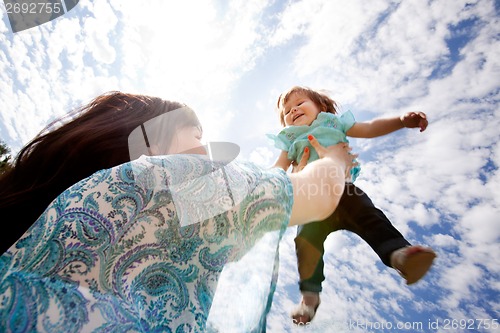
304, 113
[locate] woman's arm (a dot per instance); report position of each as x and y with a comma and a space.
383, 126
317, 188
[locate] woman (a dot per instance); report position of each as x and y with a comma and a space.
105, 244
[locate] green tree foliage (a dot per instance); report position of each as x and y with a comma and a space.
4, 157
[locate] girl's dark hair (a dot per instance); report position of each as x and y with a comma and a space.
321, 99
95, 137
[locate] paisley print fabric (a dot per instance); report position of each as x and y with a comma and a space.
140, 248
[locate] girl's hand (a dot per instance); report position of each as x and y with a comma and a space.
415, 119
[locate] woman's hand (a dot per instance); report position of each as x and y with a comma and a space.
340, 151
319, 185
296, 167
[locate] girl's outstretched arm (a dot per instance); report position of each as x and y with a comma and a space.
383, 126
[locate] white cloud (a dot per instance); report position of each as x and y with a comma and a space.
375, 57
262, 156
191, 53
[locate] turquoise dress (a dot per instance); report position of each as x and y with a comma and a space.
159, 244
328, 128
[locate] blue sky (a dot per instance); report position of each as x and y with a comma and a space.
230, 60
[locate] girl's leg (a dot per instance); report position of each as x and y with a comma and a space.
357, 213
309, 250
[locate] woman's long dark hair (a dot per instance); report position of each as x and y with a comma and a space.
95, 138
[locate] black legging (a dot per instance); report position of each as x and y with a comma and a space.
355, 213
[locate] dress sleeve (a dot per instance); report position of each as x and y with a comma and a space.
282, 140
347, 120
259, 224
266, 207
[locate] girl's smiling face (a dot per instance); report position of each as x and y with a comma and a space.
299, 110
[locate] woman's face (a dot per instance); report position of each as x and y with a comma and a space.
187, 140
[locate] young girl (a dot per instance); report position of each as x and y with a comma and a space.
307, 113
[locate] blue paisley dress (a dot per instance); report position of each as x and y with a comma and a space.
141, 248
